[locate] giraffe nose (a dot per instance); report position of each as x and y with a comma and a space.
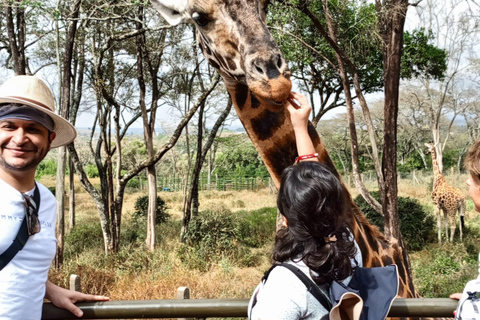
270, 68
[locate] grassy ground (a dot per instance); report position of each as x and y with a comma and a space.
137, 274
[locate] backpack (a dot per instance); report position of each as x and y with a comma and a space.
368, 296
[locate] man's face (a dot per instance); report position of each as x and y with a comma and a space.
23, 144
473, 183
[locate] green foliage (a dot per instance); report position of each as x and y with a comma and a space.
92, 171
417, 228
141, 209
442, 270
420, 58
450, 158
48, 167
135, 182
413, 162
257, 227
240, 158
212, 237
83, 237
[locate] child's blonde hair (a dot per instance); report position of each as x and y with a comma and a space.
472, 159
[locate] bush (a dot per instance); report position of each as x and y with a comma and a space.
82, 237
46, 168
141, 209
417, 228
211, 237
92, 171
134, 183
257, 227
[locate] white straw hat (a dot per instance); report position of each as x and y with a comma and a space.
33, 92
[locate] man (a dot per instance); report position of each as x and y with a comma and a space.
28, 129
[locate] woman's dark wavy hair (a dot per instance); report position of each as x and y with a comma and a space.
312, 199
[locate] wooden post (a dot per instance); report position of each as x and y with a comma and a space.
183, 293
75, 284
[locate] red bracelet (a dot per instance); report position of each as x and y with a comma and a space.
307, 156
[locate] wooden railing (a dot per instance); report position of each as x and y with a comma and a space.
223, 308
184, 308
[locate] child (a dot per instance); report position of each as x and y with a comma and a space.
315, 237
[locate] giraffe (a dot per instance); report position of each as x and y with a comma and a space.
235, 40
445, 198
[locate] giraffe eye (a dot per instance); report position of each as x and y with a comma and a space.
200, 19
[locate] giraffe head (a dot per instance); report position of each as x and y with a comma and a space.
430, 148
235, 40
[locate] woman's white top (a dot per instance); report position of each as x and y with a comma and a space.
284, 296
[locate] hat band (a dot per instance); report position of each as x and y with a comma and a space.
23, 112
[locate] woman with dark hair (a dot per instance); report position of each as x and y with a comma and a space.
315, 237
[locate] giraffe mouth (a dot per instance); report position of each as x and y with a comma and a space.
274, 102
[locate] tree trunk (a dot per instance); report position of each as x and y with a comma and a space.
350, 111
191, 208
65, 112
391, 24
71, 204
148, 124
60, 195
16, 36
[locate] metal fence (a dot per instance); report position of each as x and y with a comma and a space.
223, 308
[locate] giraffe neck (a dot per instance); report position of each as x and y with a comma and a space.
272, 135
438, 177
272, 132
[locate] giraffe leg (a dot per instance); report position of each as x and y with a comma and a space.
439, 224
461, 215
453, 225
446, 223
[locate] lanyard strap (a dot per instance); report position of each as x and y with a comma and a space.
22, 235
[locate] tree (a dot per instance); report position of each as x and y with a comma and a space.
339, 24
456, 31
64, 111
149, 62
16, 28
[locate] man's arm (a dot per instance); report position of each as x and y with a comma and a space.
65, 299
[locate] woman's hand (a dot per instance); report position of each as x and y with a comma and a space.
299, 109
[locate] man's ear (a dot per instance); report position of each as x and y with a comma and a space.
51, 136
174, 11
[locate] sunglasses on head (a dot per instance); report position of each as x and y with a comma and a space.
33, 224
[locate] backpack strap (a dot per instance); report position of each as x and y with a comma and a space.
311, 286
21, 238
472, 296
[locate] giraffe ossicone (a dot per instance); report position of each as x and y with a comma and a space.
174, 11
235, 40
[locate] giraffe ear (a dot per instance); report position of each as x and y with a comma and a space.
174, 11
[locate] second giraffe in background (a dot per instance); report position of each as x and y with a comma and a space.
447, 199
